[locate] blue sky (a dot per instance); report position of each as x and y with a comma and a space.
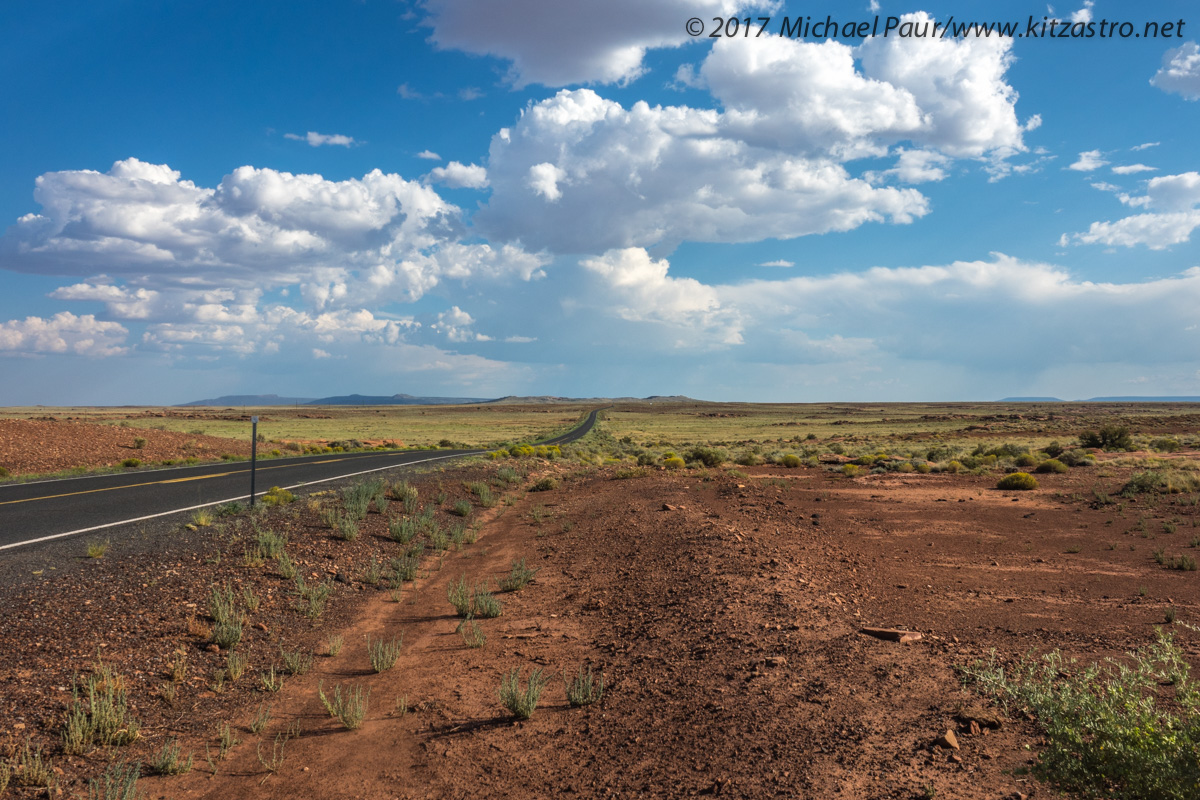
465, 197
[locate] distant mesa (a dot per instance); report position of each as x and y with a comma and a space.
410, 400
1131, 399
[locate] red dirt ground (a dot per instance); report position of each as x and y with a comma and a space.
724, 610
38, 446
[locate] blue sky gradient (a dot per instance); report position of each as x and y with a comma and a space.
463, 197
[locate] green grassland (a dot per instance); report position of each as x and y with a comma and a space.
895, 427
409, 426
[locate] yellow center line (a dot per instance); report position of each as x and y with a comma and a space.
168, 480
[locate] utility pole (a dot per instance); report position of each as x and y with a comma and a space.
253, 455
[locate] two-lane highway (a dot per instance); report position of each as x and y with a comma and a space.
35, 512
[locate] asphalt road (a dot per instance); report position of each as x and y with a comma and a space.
36, 512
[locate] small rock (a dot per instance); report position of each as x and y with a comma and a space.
212, 648
947, 741
776, 661
262, 626
955, 758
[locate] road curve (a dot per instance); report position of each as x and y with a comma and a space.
53, 509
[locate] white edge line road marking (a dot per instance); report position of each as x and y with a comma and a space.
230, 500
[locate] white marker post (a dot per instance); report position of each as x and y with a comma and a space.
253, 455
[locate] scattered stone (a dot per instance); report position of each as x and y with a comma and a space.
776, 661
892, 634
212, 648
979, 716
947, 741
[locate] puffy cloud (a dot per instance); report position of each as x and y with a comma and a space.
1089, 160
1131, 169
429, 155
1175, 199
642, 291
780, 262
63, 333
1180, 71
556, 44
460, 176
339, 240
456, 325
315, 139
121, 302
1084, 14
580, 173
918, 166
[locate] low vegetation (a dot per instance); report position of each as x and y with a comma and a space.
522, 701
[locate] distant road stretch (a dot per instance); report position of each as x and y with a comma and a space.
36, 512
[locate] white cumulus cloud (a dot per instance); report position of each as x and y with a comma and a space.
1173, 202
460, 176
556, 44
63, 333
315, 139
1180, 71
1088, 161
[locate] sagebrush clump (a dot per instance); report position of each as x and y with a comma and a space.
1019, 481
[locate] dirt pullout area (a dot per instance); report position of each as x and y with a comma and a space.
34, 446
725, 611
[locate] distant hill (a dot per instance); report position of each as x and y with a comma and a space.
397, 400
410, 400
1031, 400
1132, 399
345, 400
251, 400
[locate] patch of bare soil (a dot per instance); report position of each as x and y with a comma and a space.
725, 611
31, 446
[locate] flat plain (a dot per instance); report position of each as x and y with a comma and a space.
723, 603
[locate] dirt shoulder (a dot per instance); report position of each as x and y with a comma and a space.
724, 609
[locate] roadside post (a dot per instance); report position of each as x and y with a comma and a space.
253, 455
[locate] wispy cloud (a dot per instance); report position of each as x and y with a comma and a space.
315, 139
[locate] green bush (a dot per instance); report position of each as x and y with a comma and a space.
707, 456
1026, 460
1076, 458
791, 461
674, 462
544, 485
522, 702
129, 463
1019, 481
1106, 733
1109, 437
952, 467
3, 472
850, 470
1164, 445
1052, 465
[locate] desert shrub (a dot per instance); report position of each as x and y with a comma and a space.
471, 633
674, 462
383, 654
1026, 460
850, 470
941, 453
905, 467
349, 710
1161, 482
292, 446
508, 475
1164, 445
1076, 458
227, 620
1018, 481
750, 460
139, 443
130, 463
544, 485
923, 467
99, 713
791, 461
707, 456
170, 761
518, 577
1109, 437
278, 497
1106, 732
1052, 465
3, 472
461, 508
584, 689
952, 467
484, 604
522, 702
